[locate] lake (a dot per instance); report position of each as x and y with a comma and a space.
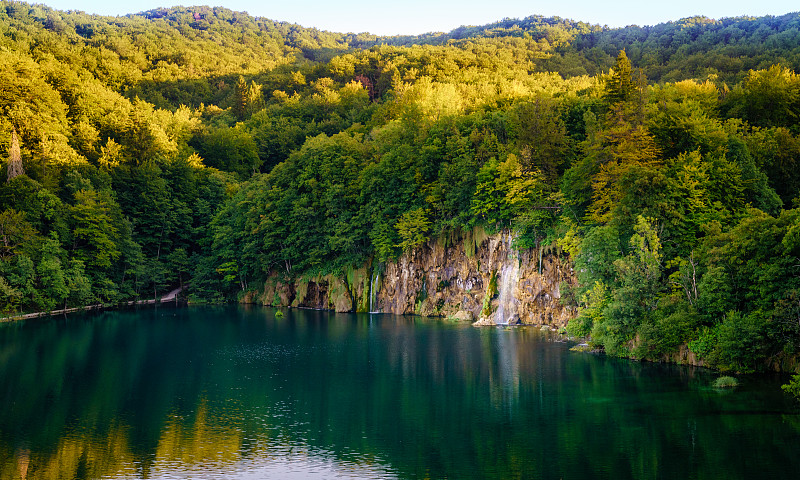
234, 392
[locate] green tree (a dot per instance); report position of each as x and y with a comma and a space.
15, 233
20, 275
622, 142
230, 150
593, 302
242, 98
622, 147
78, 285
413, 228
776, 152
638, 292
767, 98
622, 83
179, 264
94, 231
52, 288
489, 203
756, 187
541, 135
10, 297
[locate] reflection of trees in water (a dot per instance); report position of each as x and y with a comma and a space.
130, 394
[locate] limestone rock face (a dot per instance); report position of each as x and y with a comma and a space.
495, 285
276, 293
327, 292
475, 277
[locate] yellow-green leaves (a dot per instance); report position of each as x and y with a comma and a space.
413, 228
505, 191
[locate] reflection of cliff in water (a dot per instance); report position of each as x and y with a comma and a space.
136, 394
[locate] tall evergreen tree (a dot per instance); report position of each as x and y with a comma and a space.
242, 93
620, 85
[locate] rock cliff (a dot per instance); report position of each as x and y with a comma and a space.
475, 277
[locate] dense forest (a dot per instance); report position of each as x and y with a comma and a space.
204, 147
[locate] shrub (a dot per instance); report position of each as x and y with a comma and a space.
793, 387
726, 382
579, 326
670, 327
740, 343
704, 345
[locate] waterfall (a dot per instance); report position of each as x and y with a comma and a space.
509, 277
372, 292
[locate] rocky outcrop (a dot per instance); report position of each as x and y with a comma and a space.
494, 285
322, 292
472, 277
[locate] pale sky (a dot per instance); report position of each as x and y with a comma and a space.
411, 17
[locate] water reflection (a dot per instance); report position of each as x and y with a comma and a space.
237, 393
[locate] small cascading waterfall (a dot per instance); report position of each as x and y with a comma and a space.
509, 277
372, 291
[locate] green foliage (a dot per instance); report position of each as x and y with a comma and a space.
750, 266
598, 250
637, 293
776, 152
767, 98
621, 86
740, 342
15, 233
413, 228
52, 285
793, 387
541, 136
10, 297
593, 302
756, 188
666, 330
726, 382
94, 231
79, 286
229, 149
705, 343
684, 120
490, 203
383, 238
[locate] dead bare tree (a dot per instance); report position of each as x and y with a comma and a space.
15, 164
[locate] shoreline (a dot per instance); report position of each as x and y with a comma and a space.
87, 308
169, 297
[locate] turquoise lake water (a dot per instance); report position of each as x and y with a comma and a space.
234, 392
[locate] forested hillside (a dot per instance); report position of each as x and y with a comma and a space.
204, 147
